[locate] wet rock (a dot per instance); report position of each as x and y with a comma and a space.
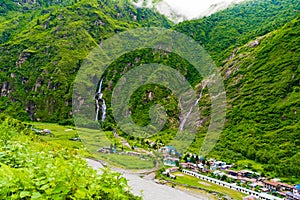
150, 96
253, 44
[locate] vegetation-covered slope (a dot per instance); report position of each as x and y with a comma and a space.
31, 168
8, 6
41, 51
221, 32
263, 90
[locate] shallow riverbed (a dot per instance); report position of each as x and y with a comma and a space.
151, 190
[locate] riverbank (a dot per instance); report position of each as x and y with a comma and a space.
150, 190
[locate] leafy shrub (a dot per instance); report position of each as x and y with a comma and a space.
33, 169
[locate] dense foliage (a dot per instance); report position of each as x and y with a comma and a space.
43, 46
263, 90
42, 50
233, 27
262, 86
31, 168
7, 6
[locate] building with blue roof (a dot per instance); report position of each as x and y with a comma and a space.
295, 195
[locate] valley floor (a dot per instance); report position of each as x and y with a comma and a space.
150, 190
141, 180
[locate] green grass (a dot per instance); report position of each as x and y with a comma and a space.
242, 164
192, 181
126, 161
95, 139
92, 141
60, 134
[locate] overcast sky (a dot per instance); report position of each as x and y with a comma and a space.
194, 8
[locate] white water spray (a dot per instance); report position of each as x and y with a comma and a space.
190, 111
99, 98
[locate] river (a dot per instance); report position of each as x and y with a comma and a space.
151, 190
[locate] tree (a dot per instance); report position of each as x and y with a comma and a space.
177, 163
185, 157
193, 159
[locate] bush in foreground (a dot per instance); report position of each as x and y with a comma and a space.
33, 169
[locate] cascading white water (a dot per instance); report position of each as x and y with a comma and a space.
99, 98
103, 110
181, 125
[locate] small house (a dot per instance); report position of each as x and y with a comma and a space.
251, 197
272, 186
249, 174
46, 131
286, 187
132, 153
216, 173
172, 176
105, 150
173, 169
184, 165
169, 161
295, 195
233, 173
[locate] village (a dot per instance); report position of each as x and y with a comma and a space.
221, 173
218, 172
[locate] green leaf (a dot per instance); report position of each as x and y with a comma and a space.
24, 194
36, 195
44, 187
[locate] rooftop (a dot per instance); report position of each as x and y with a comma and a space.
286, 185
271, 183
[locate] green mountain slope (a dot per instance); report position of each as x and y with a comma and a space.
221, 32
262, 83
26, 5
263, 90
41, 51
43, 46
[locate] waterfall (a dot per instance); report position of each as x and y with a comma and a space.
190, 111
103, 110
99, 98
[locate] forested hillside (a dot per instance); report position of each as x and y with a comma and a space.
262, 80
42, 49
255, 45
221, 32
8, 6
